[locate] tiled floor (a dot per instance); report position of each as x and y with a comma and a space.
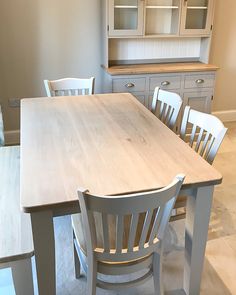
220, 264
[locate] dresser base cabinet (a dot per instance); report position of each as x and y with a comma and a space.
195, 88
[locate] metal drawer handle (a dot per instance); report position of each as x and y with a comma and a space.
199, 81
165, 83
129, 85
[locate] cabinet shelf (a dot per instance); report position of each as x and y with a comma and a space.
126, 6
197, 7
162, 7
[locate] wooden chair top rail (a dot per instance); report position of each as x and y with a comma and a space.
109, 143
15, 226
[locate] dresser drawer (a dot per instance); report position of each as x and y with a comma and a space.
129, 85
165, 82
199, 81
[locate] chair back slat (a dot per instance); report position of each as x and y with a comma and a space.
207, 133
133, 231
193, 134
205, 143
169, 115
76, 92
69, 87
119, 233
162, 109
153, 205
199, 140
156, 225
209, 147
146, 227
105, 229
166, 106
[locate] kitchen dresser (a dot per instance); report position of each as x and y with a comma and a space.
165, 43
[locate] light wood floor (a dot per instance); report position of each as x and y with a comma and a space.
220, 263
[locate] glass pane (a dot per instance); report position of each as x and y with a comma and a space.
162, 16
196, 14
126, 15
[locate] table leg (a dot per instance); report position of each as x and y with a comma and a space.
22, 277
196, 230
44, 249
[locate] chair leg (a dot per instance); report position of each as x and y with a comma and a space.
76, 263
157, 274
91, 275
22, 277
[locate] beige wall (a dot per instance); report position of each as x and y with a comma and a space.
223, 54
45, 39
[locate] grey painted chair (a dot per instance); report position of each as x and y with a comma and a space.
69, 87
166, 106
122, 253
204, 133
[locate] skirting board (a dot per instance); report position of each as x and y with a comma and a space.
12, 137
226, 116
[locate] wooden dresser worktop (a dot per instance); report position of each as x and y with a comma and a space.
160, 68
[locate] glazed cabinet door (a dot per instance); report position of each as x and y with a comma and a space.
196, 17
125, 17
162, 17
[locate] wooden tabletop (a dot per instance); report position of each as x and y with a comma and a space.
160, 68
108, 143
15, 227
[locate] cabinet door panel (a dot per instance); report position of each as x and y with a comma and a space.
198, 100
162, 17
196, 17
125, 17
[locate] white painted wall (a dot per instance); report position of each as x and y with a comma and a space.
46, 39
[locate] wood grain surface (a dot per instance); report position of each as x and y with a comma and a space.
15, 227
160, 68
108, 143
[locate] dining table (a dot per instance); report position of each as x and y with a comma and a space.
109, 144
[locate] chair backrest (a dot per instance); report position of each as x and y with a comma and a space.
206, 132
69, 86
2, 141
166, 106
156, 205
